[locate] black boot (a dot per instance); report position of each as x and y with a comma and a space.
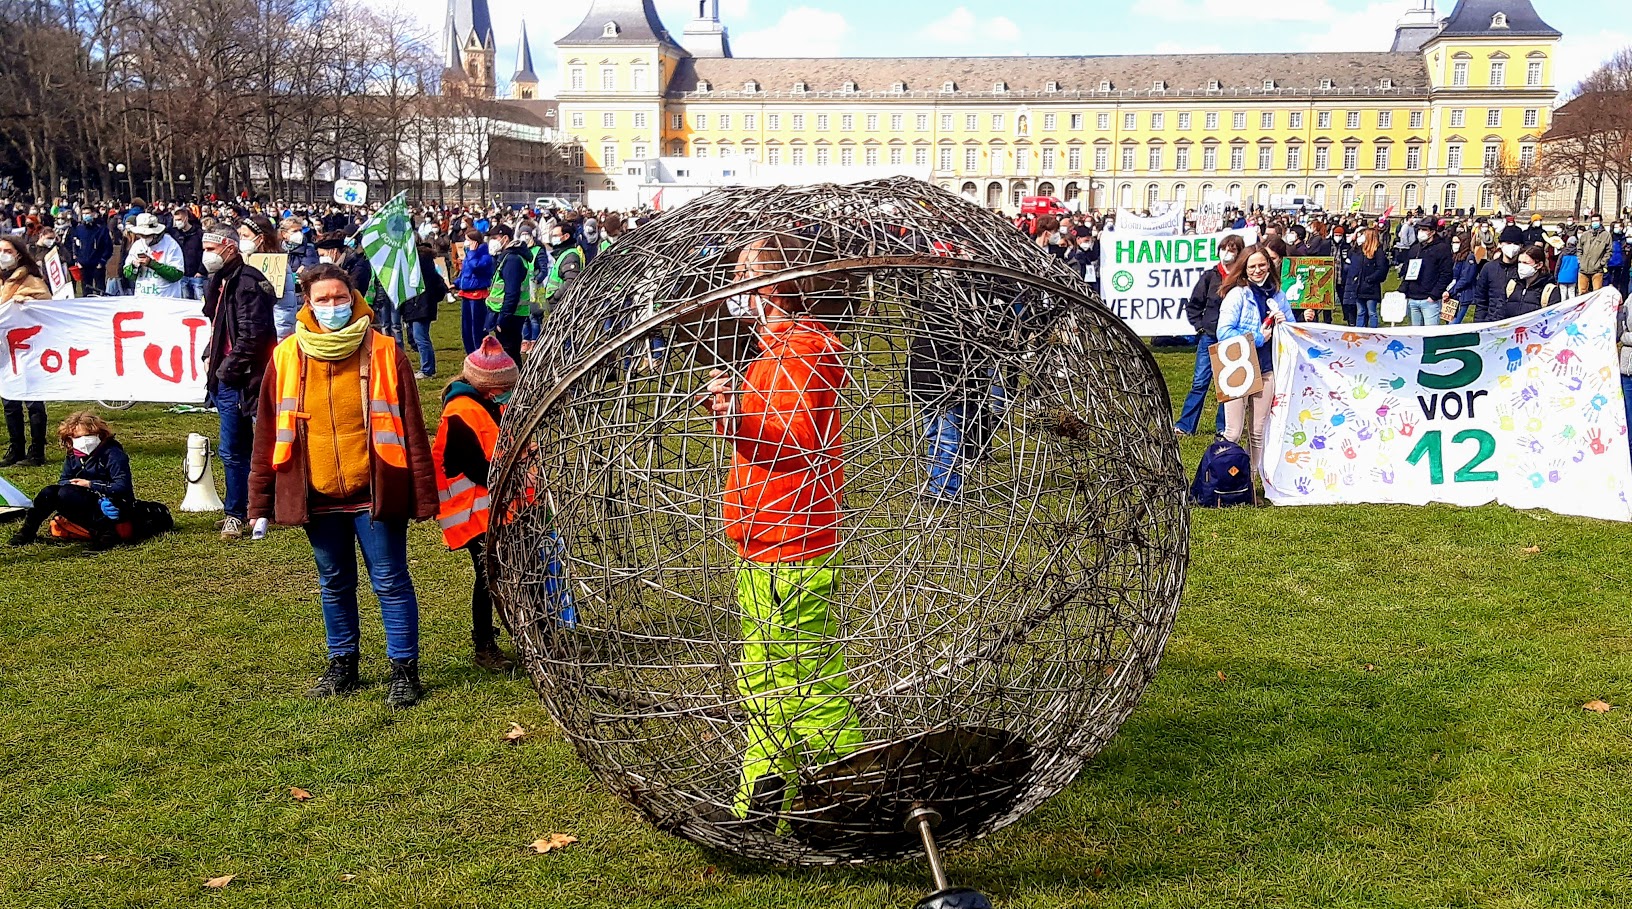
13, 455
27, 533
403, 690
339, 678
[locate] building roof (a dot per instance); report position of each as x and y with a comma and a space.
524, 59
1473, 18
636, 20
464, 17
1349, 73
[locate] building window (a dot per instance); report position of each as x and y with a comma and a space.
1409, 198
578, 120
849, 88
1184, 122
1413, 158
971, 123
1155, 158
800, 88
1493, 154
575, 78
1459, 118
1385, 119
609, 120
822, 123
824, 156
1022, 161
946, 159
1238, 158
948, 87
1325, 85
1532, 73
1381, 158
725, 121
922, 122
773, 156
1459, 73
578, 156
1266, 157
609, 156
897, 122
1323, 119
847, 157
639, 75
1532, 118
946, 123
1102, 121
798, 122
1051, 122
1493, 117
1487, 197
1294, 120
1450, 196
847, 122
997, 123
1379, 196
700, 153
971, 160
702, 121
1102, 159
750, 122
1073, 160
1351, 158
1209, 158
1127, 157
1294, 157
640, 119
1076, 121
1211, 120
1130, 121
1213, 85
1269, 85
640, 152
1323, 158
1239, 121
797, 155
920, 158
1266, 120
773, 121
1352, 120
1181, 158
608, 78
1158, 121
1048, 160
1498, 72
1416, 119
1453, 158
1527, 155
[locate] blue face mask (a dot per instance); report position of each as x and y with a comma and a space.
332, 317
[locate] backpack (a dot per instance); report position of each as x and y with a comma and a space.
1224, 477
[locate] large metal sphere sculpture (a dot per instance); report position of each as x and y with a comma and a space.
1011, 535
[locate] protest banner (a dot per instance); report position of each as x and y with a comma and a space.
1309, 282
350, 192
1165, 223
1526, 412
104, 348
56, 275
1146, 280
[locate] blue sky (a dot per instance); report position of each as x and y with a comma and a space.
918, 28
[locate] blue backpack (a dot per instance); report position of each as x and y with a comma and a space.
1224, 477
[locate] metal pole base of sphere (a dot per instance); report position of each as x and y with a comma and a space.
922, 820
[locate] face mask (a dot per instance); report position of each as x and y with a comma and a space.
1084, 245
213, 261
332, 317
290, 245
558, 240
1597, 225
86, 444
1526, 270
246, 246
740, 306
1456, 246
88, 219
493, 246
8, 261
48, 242
1227, 258
1510, 250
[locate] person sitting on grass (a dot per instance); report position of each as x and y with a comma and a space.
94, 491
783, 507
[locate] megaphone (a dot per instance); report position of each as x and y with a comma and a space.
201, 494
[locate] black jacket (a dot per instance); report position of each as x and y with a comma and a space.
1434, 277
1490, 288
1318, 246
191, 242
89, 245
238, 301
1364, 277
107, 469
359, 268
1202, 307
1521, 298
423, 307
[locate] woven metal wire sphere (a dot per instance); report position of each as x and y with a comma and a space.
981, 638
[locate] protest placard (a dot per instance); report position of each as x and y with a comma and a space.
104, 348
274, 265
1309, 282
56, 275
1146, 280
1236, 373
1526, 412
1167, 222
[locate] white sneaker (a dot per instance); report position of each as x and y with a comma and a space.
259, 533
232, 529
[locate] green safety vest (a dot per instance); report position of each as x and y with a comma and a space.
495, 293
553, 283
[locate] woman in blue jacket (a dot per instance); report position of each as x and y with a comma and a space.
474, 283
1464, 271
1253, 305
94, 490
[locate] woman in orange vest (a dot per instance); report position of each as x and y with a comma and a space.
471, 408
347, 458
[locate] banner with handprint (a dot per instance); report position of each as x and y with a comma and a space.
1526, 412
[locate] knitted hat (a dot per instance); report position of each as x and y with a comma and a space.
489, 368
1511, 234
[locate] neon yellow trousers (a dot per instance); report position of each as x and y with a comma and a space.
791, 677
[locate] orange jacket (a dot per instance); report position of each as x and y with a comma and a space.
786, 486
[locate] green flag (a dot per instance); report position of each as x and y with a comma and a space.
388, 242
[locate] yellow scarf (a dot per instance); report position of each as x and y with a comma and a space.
331, 345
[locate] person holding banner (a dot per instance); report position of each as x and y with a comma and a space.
1464, 272
343, 453
1202, 311
1253, 305
22, 281
238, 301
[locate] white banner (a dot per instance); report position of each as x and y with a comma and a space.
104, 348
1526, 412
1166, 223
1146, 280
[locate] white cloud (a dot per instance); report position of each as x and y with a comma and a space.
1233, 11
801, 32
962, 27
1369, 29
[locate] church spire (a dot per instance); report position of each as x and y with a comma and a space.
524, 84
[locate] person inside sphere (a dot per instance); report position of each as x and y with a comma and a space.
783, 507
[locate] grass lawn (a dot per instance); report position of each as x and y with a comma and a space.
1364, 706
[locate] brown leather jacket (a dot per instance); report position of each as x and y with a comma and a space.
395, 494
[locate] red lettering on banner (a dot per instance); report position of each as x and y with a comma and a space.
51, 361
154, 355
120, 335
193, 325
14, 342
74, 355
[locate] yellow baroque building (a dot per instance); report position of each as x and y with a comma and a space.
1415, 125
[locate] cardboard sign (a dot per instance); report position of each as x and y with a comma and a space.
1310, 283
62, 283
1236, 373
350, 192
274, 265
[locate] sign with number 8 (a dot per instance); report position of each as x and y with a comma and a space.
1235, 369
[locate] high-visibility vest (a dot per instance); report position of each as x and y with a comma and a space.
553, 283
495, 292
464, 508
386, 432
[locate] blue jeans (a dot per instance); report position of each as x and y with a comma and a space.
421, 332
237, 417
1423, 312
335, 539
1365, 313
944, 432
195, 287
1626, 392
1201, 383
386, 319
529, 329
472, 323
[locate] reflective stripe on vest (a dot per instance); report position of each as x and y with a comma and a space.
384, 409
553, 282
464, 504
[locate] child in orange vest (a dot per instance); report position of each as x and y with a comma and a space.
472, 407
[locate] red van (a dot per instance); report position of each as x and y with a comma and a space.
1042, 205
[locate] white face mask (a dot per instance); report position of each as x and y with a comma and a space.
1510, 250
1226, 258
86, 444
740, 306
1526, 270
493, 246
213, 262
8, 261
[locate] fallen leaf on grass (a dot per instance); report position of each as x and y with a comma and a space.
1222, 677
97, 857
1532, 550
709, 872
299, 794
1597, 706
517, 733
1370, 668
553, 841
348, 877
216, 883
